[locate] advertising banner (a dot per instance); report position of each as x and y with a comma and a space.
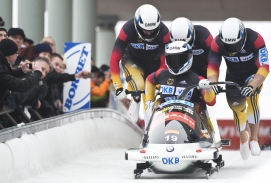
76, 94
228, 131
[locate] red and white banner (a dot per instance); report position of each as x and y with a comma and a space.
228, 130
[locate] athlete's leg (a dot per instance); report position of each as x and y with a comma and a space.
253, 115
135, 80
149, 67
146, 115
238, 107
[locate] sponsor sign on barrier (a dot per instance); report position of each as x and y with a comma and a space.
76, 94
228, 131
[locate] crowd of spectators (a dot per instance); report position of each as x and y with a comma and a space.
32, 77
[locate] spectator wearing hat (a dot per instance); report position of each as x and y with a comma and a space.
32, 52
27, 42
17, 35
43, 50
33, 96
9, 78
49, 40
3, 33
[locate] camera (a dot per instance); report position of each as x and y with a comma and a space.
30, 66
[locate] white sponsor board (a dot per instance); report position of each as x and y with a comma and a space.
76, 94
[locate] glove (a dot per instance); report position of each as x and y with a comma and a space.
204, 83
149, 107
120, 94
217, 89
247, 91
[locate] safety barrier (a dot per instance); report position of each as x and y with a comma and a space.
39, 146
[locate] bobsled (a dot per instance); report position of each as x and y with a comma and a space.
180, 138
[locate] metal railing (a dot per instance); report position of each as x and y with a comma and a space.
44, 124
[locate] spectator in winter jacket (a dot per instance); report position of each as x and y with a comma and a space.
33, 97
9, 78
17, 35
39, 92
100, 83
50, 104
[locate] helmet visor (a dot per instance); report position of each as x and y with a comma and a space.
177, 60
146, 37
236, 47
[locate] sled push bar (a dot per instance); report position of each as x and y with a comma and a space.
235, 92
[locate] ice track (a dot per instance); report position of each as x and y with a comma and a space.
82, 148
108, 165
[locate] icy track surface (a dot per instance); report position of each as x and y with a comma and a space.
109, 165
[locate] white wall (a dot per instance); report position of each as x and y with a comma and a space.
25, 157
221, 108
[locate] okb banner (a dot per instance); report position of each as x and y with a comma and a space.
76, 94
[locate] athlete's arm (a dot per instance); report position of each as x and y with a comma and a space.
151, 82
117, 53
208, 41
257, 80
262, 62
208, 95
214, 61
166, 40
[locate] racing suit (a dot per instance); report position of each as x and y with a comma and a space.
139, 58
241, 68
173, 85
201, 48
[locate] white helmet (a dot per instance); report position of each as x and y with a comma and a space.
233, 35
182, 29
147, 18
179, 57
